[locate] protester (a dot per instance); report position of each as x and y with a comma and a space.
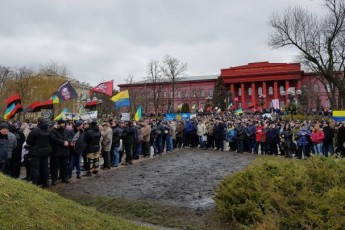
128, 137
77, 147
317, 136
146, 132
59, 158
38, 143
107, 138
92, 149
4, 143
117, 132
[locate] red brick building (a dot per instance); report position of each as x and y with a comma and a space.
246, 83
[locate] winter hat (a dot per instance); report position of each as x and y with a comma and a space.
61, 122
40, 120
3, 126
78, 123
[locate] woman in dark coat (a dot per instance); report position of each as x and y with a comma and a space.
286, 137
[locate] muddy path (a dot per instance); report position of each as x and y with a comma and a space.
185, 178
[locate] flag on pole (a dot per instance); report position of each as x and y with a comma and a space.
65, 92
55, 99
138, 114
104, 87
239, 111
60, 116
12, 110
15, 99
33, 107
121, 99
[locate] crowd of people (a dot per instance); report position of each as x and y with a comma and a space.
56, 150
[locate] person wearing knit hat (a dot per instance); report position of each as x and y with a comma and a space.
77, 147
59, 158
3, 145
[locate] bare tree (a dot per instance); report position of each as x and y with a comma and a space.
173, 70
5, 74
319, 40
154, 79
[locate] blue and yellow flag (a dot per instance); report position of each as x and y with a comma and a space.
239, 111
60, 116
121, 99
138, 114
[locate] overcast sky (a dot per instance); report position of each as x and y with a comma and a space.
111, 39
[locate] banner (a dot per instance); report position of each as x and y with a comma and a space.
177, 116
125, 116
87, 116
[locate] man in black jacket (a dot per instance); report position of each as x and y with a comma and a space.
117, 132
92, 150
128, 136
59, 159
17, 152
39, 151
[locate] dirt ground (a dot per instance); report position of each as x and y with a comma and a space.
185, 178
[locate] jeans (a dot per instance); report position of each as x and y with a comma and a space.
159, 144
201, 142
251, 144
318, 148
74, 160
328, 149
138, 149
240, 145
169, 145
115, 161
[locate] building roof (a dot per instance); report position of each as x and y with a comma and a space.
183, 79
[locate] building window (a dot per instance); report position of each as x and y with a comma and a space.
270, 104
194, 93
164, 94
171, 94
187, 93
179, 94
260, 91
328, 104
239, 92
249, 103
316, 88
249, 91
210, 92
328, 87
270, 90
239, 104
281, 104
202, 93
281, 89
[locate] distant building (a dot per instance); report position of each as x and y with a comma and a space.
246, 83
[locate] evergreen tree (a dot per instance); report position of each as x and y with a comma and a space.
185, 108
220, 94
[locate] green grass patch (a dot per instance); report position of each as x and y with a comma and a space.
275, 193
25, 206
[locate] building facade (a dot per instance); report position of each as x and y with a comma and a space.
252, 86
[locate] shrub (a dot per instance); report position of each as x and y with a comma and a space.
286, 194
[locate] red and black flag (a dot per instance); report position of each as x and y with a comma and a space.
104, 87
91, 105
13, 99
33, 107
46, 104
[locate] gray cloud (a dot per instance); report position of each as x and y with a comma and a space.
103, 40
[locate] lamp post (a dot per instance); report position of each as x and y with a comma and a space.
292, 100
